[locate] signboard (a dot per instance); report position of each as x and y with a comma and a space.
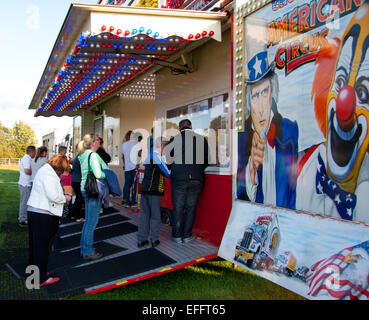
315, 257
304, 119
302, 114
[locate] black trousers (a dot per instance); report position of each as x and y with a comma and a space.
185, 195
42, 230
77, 211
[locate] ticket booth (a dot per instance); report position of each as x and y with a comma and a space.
281, 90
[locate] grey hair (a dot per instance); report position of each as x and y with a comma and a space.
274, 86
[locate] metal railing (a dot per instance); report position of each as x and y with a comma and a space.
9, 161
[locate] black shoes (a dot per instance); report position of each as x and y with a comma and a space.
141, 244
155, 243
23, 224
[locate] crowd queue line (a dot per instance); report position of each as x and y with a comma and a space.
47, 188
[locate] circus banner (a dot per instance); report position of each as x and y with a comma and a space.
302, 70
302, 114
316, 257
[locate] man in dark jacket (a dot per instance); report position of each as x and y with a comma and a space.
187, 156
102, 153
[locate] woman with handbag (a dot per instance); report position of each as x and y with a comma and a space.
45, 208
92, 167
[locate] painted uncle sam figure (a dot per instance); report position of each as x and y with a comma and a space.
267, 164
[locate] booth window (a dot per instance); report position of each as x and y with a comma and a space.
211, 118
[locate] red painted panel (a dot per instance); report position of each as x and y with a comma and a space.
213, 209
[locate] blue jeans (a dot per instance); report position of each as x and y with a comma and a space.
130, 183
92, 212
185, 195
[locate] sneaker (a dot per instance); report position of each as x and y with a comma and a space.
125, 204
188, 239
93, 256
155, 243
133, 205
142, 243
176, 240
49, 281
23, 224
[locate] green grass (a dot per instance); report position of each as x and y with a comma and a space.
211, 280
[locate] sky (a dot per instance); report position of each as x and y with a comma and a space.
29, 29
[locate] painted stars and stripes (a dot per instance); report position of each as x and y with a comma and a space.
345, 202
344, 275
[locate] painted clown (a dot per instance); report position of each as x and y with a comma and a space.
333, 177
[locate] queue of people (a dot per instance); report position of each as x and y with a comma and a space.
47, 187
46, 190
185, 168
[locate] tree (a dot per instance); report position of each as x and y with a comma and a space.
5, 152
14, 141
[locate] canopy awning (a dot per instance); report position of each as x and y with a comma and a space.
101, 50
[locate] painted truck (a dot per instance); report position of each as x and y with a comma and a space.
285, 263
259, 244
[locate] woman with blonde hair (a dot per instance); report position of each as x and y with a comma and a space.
90, 161
45, 208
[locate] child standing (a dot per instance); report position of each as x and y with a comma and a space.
152, 189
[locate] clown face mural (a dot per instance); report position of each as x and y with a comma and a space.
341, 165
348, 104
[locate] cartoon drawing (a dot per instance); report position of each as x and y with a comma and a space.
285, 263
344, 275
333, 177
260, 242
267, 170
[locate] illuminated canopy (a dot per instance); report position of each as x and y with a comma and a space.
102, 51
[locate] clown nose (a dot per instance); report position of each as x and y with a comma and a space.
346, 107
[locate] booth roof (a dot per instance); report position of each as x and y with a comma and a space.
103, 51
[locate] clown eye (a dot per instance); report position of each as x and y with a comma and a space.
362, 94
340, 83
362, 91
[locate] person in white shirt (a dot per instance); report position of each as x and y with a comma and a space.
25, 184
38, 161
45, 208
130, 153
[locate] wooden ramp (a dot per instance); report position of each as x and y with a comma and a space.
123, 262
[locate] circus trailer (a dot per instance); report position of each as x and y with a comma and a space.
301, 152
280, 90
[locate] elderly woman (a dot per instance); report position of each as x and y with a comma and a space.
90, 159
45, 208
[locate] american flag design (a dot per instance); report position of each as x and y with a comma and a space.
345, 201
344, 275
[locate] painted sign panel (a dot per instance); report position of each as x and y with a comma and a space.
302, 115
315, 257
306, 108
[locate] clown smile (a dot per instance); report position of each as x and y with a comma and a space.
343, 146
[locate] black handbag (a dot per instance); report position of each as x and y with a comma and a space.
91, 188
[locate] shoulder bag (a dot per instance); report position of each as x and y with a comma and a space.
91, 188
